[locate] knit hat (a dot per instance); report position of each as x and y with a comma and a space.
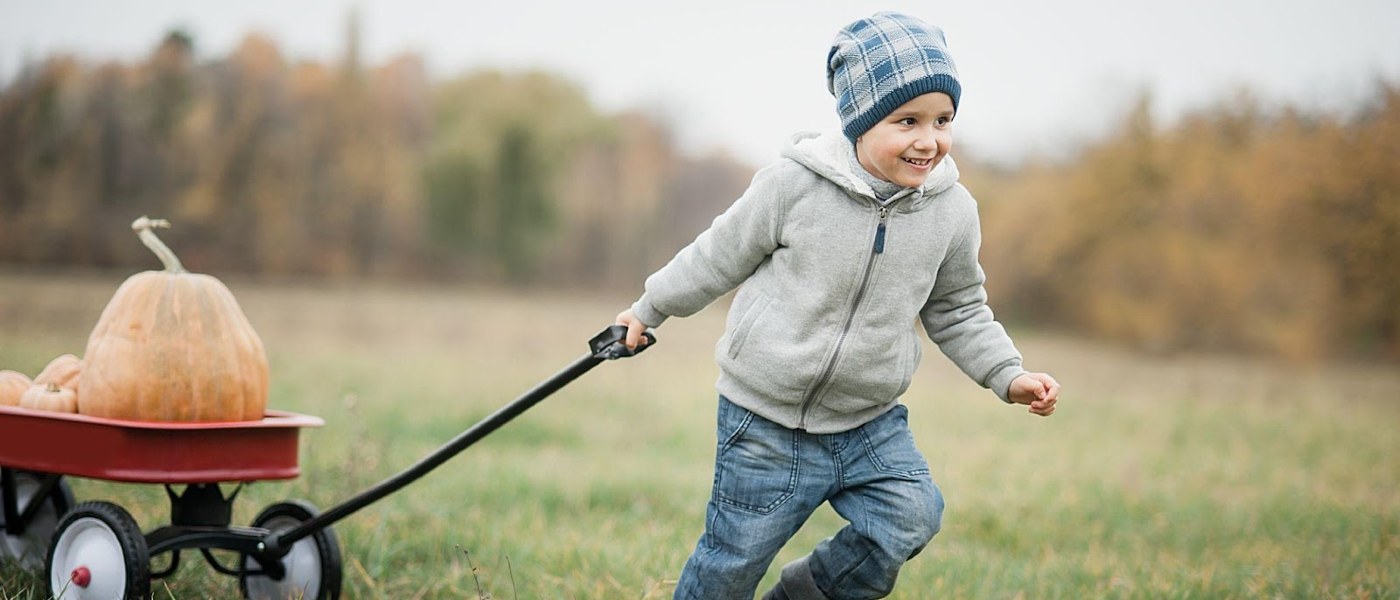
879, 63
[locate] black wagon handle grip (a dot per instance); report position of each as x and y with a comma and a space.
610, 343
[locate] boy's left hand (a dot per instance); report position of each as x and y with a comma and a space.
1039, 390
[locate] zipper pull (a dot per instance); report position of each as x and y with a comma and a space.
880, 231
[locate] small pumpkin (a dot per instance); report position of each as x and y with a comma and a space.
50, 397
63, 371
13, 384
173, 346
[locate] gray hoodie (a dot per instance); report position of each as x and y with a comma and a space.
821, 336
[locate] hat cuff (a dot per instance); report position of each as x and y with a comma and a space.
940, 82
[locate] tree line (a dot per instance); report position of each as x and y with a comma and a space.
1238, 227
277, 168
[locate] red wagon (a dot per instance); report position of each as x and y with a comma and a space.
95, 550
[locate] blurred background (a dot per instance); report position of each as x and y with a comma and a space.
1191, 216
1197, 175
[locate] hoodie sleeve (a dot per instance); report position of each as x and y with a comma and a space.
958, 319
721, 257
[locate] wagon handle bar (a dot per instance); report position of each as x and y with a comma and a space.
607, 345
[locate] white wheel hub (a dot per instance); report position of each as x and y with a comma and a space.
303, 565
88, 552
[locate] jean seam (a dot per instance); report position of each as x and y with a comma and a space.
835, 582
738, 431
839, 463
886, 468
793, 473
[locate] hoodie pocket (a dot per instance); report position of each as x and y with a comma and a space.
909, 357
746, 323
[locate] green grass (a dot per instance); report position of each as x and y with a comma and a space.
1159, 477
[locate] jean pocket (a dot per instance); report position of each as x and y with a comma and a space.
756, 464
890, 446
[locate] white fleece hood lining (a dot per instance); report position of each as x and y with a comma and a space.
825, 154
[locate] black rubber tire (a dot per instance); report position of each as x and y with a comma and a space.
103, 537
31, 548
313, 564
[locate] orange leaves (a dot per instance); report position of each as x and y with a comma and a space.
1236, 228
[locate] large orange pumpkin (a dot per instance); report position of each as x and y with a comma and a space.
13, 384
173, 346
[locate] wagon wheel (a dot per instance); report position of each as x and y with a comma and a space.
31, 547
313, 563
98, 553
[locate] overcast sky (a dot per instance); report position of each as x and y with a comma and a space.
743, 75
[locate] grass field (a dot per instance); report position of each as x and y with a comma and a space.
1158, 477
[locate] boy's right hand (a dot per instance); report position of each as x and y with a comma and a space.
635, 327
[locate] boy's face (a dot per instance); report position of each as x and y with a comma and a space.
906, 145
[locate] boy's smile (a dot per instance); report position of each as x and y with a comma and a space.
905, 146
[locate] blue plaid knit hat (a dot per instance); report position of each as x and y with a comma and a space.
879, 63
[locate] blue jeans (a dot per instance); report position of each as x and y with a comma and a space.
769, 480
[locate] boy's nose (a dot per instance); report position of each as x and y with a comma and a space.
927, 140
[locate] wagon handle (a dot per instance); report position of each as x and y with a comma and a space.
610, 343
607, 345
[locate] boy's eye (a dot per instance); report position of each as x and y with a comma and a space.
907, 121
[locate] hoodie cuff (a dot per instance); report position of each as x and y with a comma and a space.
1000, 380
649, 316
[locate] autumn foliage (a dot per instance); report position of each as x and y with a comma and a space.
1237, 227
286, 169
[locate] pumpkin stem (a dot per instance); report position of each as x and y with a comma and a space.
142, 227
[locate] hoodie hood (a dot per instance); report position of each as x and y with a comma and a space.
827, 154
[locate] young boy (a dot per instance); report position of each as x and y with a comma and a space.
839, 247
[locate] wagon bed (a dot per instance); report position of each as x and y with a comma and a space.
152, 452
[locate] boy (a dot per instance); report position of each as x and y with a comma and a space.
839, 247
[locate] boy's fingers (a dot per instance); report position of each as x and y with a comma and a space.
634, 333
634, 328
1043, 406
1046, 393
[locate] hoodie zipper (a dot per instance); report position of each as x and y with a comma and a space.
876, 250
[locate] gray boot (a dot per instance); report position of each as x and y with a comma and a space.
796, 583
776, 593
